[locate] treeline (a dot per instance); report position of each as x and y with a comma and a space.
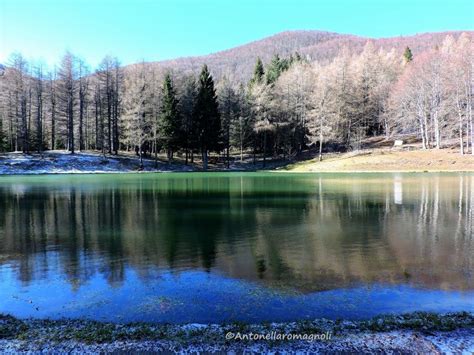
289, 105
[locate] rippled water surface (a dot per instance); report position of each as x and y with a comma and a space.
235, 247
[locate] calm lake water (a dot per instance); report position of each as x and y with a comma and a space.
235, 246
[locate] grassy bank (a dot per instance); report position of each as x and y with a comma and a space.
414, 332
388, 160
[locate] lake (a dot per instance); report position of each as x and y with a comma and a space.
224, 247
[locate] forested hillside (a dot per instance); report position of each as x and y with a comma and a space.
275, 97
313, 45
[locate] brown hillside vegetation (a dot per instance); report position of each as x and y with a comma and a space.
322, 46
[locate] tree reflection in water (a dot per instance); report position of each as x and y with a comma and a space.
305, 232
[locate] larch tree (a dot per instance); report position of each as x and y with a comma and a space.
342, 88
110, 77
229, 109
116, 104
292, 98
242, 132
137, 110
320, 126
17, 79
52, 93
105, 76
464, 61
260, 97
83, 88
67, 89
39, 93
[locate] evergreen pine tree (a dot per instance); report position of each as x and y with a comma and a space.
408, 55
274, 70
169, 121
298, 57
188, 128
206, 115
258, 72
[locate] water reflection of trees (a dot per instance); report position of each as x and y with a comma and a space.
307, 232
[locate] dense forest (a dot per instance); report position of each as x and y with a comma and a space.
291, 103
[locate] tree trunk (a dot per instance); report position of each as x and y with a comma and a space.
81, 121
53, 118
109, 115
423, 140
204, 159
467, 135
156, 153
264, 148
321, 139
461, 133
24, 128
471, 125
39, 122
437, 132
241, 141
241, 152
320, 148
71, 124
472, 135
254, 153
425, 131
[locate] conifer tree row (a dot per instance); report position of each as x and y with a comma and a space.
288, 105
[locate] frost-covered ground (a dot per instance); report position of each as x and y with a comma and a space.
61, 162
423, 333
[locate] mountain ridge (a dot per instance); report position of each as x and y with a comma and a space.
316, 45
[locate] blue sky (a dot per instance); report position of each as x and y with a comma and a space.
163, 29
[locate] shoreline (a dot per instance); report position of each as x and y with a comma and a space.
341, 172
419, 331
402, 171
387, 161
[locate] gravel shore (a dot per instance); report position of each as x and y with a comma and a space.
416, 332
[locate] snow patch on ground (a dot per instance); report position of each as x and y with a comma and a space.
61, 162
